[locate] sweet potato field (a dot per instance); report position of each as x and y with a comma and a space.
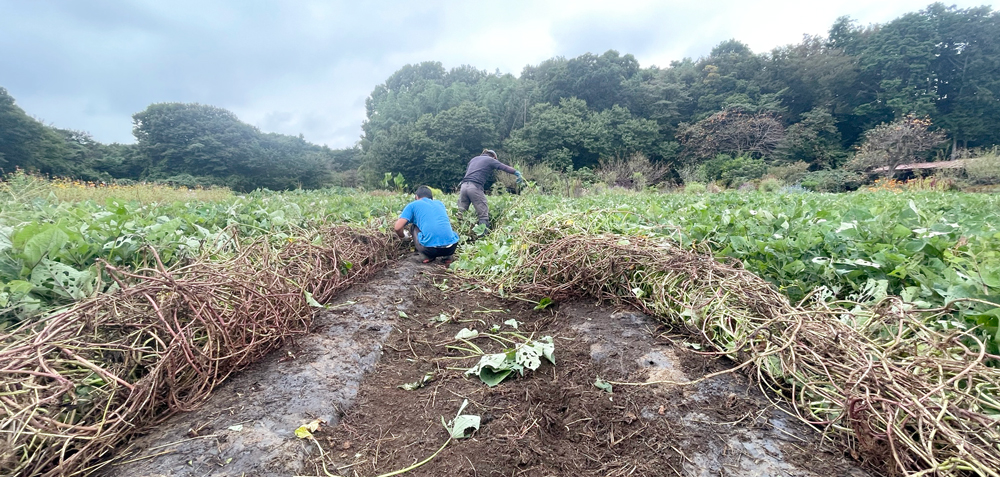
874, 313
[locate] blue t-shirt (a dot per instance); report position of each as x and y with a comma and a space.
431, 218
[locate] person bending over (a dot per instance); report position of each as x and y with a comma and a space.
471, 190
431, 229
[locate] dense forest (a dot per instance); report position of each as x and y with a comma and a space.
730, 115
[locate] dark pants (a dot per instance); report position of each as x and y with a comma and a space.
473, 194
430, 253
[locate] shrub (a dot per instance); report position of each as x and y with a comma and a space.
742, 169
984, 169
789, 173
692, 173
832, 180
635, 173
770, 184
695, 188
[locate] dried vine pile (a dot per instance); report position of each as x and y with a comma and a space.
80, 382
905, 397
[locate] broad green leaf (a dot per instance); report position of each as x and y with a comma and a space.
543, 303
18, 287
45, 243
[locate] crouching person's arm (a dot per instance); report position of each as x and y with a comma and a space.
399, 226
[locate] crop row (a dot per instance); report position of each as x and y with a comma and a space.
933, 249
49, 249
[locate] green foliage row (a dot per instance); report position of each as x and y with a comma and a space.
49, 249
933, 249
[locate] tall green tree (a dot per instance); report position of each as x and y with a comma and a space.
814, 140
27, 143
213, 146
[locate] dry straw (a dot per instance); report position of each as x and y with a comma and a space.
82, 381
905, 397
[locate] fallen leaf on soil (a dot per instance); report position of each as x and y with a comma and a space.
418, 383
463, 425
602, 385
305, 431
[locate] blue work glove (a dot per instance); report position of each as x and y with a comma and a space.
520, 178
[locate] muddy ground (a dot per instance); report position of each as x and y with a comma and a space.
554, 421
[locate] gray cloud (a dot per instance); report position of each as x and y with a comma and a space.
307, 66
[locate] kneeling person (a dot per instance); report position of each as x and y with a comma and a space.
432, 233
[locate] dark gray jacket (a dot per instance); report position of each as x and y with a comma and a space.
481, 169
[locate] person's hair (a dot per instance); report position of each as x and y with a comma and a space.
490, 152
424, 192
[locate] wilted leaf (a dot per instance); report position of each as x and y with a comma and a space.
419, 383
312, 301
528, 357
546, 348
465, 334
305, 431
602, 385
492, 368
464, 425
694, 346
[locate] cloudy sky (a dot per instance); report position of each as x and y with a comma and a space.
306, 66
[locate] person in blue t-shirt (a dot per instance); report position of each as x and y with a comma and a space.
432, 234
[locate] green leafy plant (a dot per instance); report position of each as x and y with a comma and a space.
492, 369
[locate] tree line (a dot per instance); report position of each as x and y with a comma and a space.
736, 112
176, 143
729, 115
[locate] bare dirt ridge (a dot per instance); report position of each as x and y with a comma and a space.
399, 327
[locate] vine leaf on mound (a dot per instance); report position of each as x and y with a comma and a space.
492, 369
463, 425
